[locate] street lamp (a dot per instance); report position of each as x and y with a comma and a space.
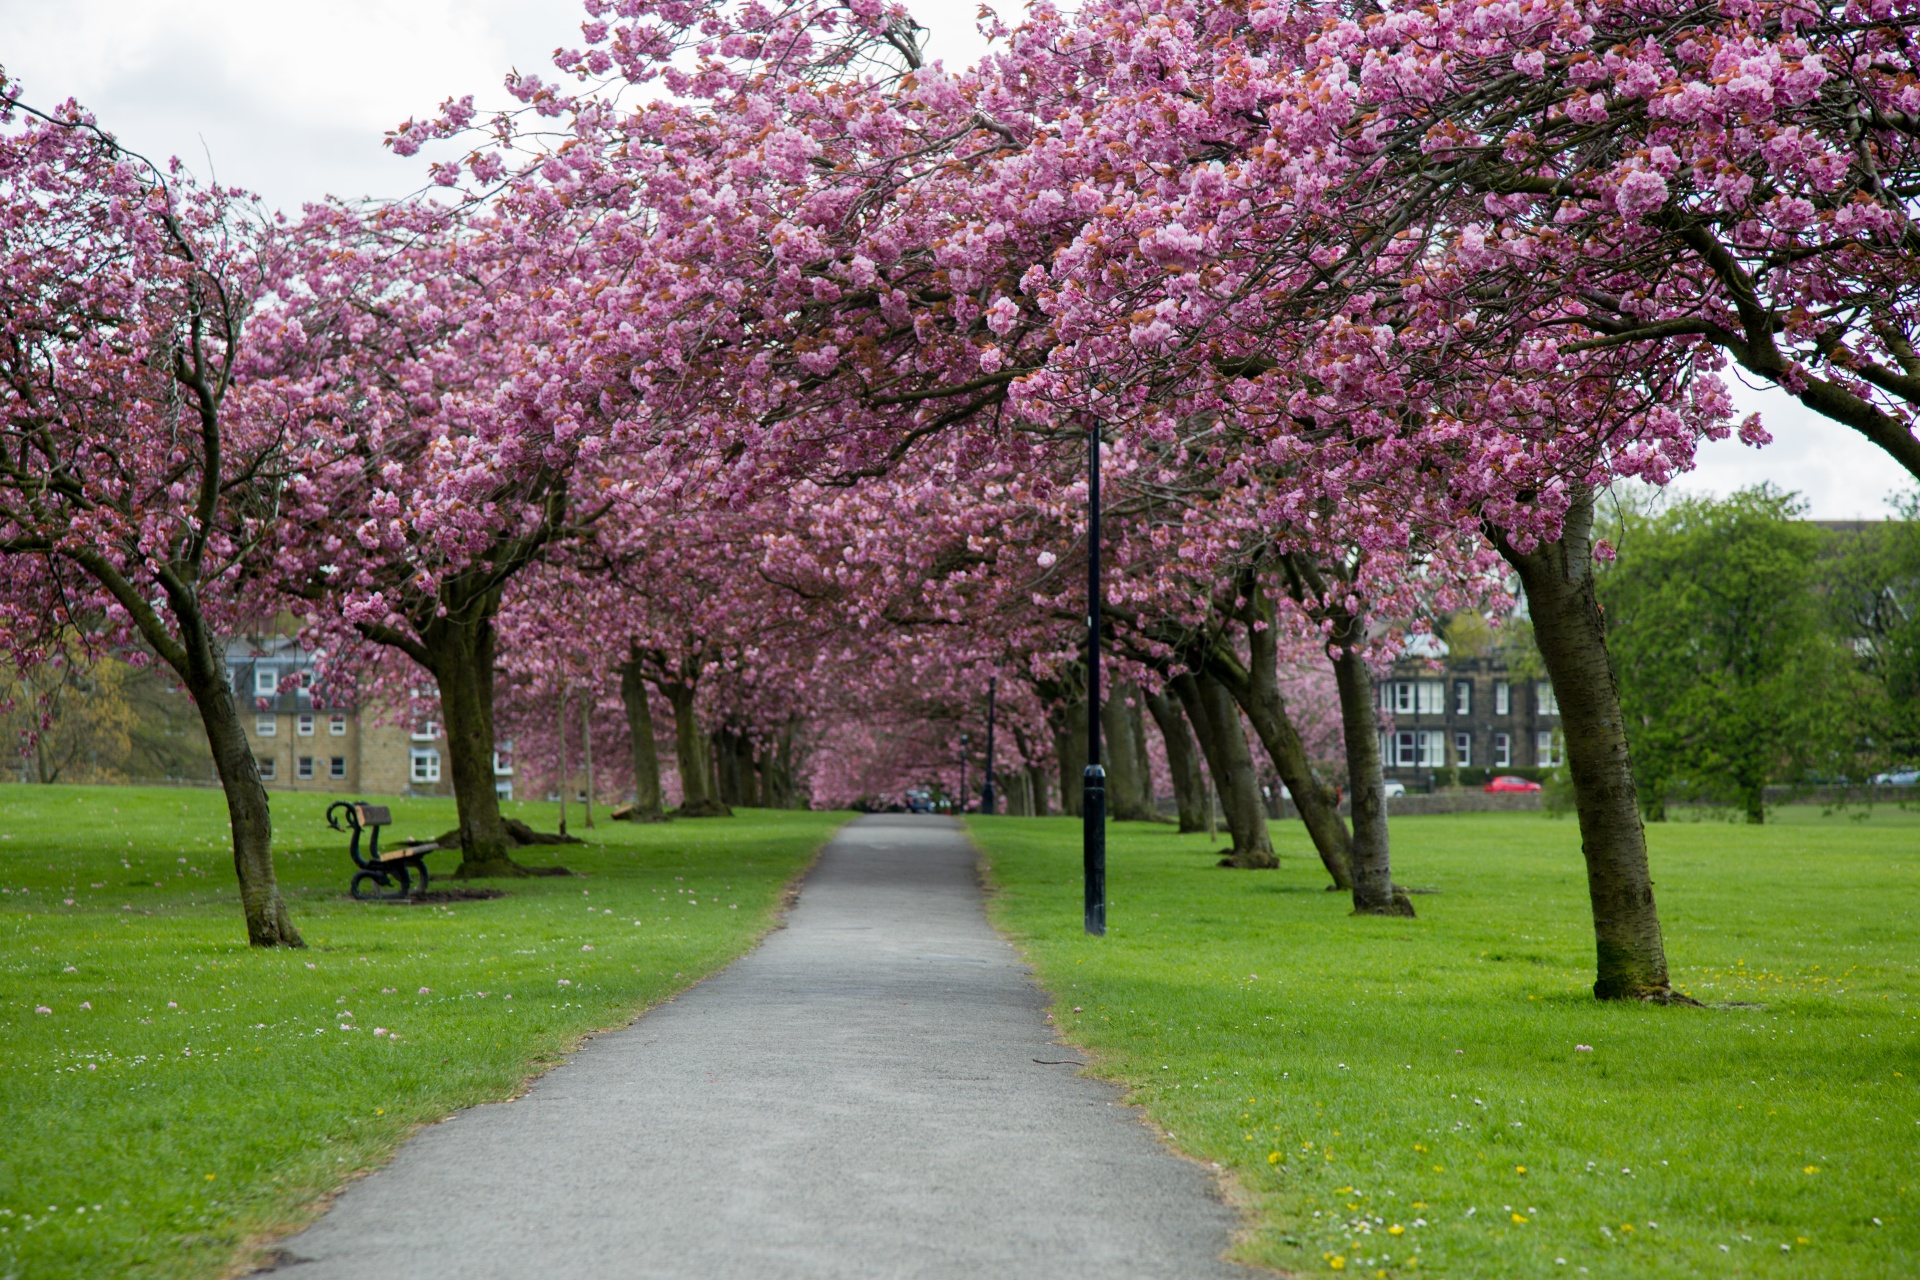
987, 803
1093, 795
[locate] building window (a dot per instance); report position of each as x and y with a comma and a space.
303, 725
426, 731
1403, 749
1431, 697
1502, 698
426, 764
1546, 756
337, 767
1403, 697
269, 768
1463, 697
1433, 749
1503, 751
503, 788
1463, 750
303, 767
503, 764
265, 682
337, 726
265, 726
1549, 705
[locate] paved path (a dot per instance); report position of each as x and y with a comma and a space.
857, 1098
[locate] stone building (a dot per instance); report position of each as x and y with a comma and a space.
305, 741
1471, 713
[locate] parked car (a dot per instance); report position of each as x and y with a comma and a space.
1898, 778
1394, 790
919, 802
1507, 782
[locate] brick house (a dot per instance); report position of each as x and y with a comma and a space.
304, 741
1472, 713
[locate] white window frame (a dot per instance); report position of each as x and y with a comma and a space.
303, 725
1403, 697
426, 731
1404, 749
1430, 697
1502, 698
303, 768
1463, 697
1432, 749
1546, 699
1543, 749
268, 767
503, 764
266, 682
336, 766
266, 726
337, 726
1503, 751
1463, 749
423, 764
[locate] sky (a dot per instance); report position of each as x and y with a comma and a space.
290, 100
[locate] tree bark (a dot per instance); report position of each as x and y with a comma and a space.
648, 802
1122, 758
1631, 958
690, 751
1137, 721
1256, 687
1070, 753
1371, 857
459, 654
1224, 744
1189, 787
268, 924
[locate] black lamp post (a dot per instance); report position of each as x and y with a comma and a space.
1093, 795
987, 802
962, 799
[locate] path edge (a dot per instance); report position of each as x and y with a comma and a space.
260, 1254
1225, 1185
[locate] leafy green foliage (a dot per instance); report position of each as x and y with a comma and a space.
1873, 578
1732, 674
1357, 1075
211, 1093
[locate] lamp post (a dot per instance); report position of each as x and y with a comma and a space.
1093, 795
963, 773
987, 801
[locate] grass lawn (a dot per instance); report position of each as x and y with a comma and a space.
170, 1097
1442, 1095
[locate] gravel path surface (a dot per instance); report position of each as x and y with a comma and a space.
859, 1097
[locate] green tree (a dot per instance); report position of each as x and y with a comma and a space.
1732, 672
1874, 592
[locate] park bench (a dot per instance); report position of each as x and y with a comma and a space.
387, 869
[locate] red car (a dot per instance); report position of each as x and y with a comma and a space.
1507, 782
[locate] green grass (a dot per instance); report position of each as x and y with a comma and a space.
1376, 1087
210, 1096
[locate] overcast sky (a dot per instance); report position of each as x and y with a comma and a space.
290, 100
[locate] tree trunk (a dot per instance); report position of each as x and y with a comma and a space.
647, 799
564, 779
1256, 688
690, 751
1137, 721
1189, 787
1037, 790
1123, 761
460, 657
1224, 743
1558, 577
586, 755
1370, 858
268, 924
1070, 754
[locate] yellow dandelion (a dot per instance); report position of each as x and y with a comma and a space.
1627, 1227
1338, 1263
1801, 1240
1812, 1168
1419, 1146
1273, 1157
1519, 1168
1439, 1168
1519, 1217
1396, 1230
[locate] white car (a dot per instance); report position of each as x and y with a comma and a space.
1898, 778
1394, 790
